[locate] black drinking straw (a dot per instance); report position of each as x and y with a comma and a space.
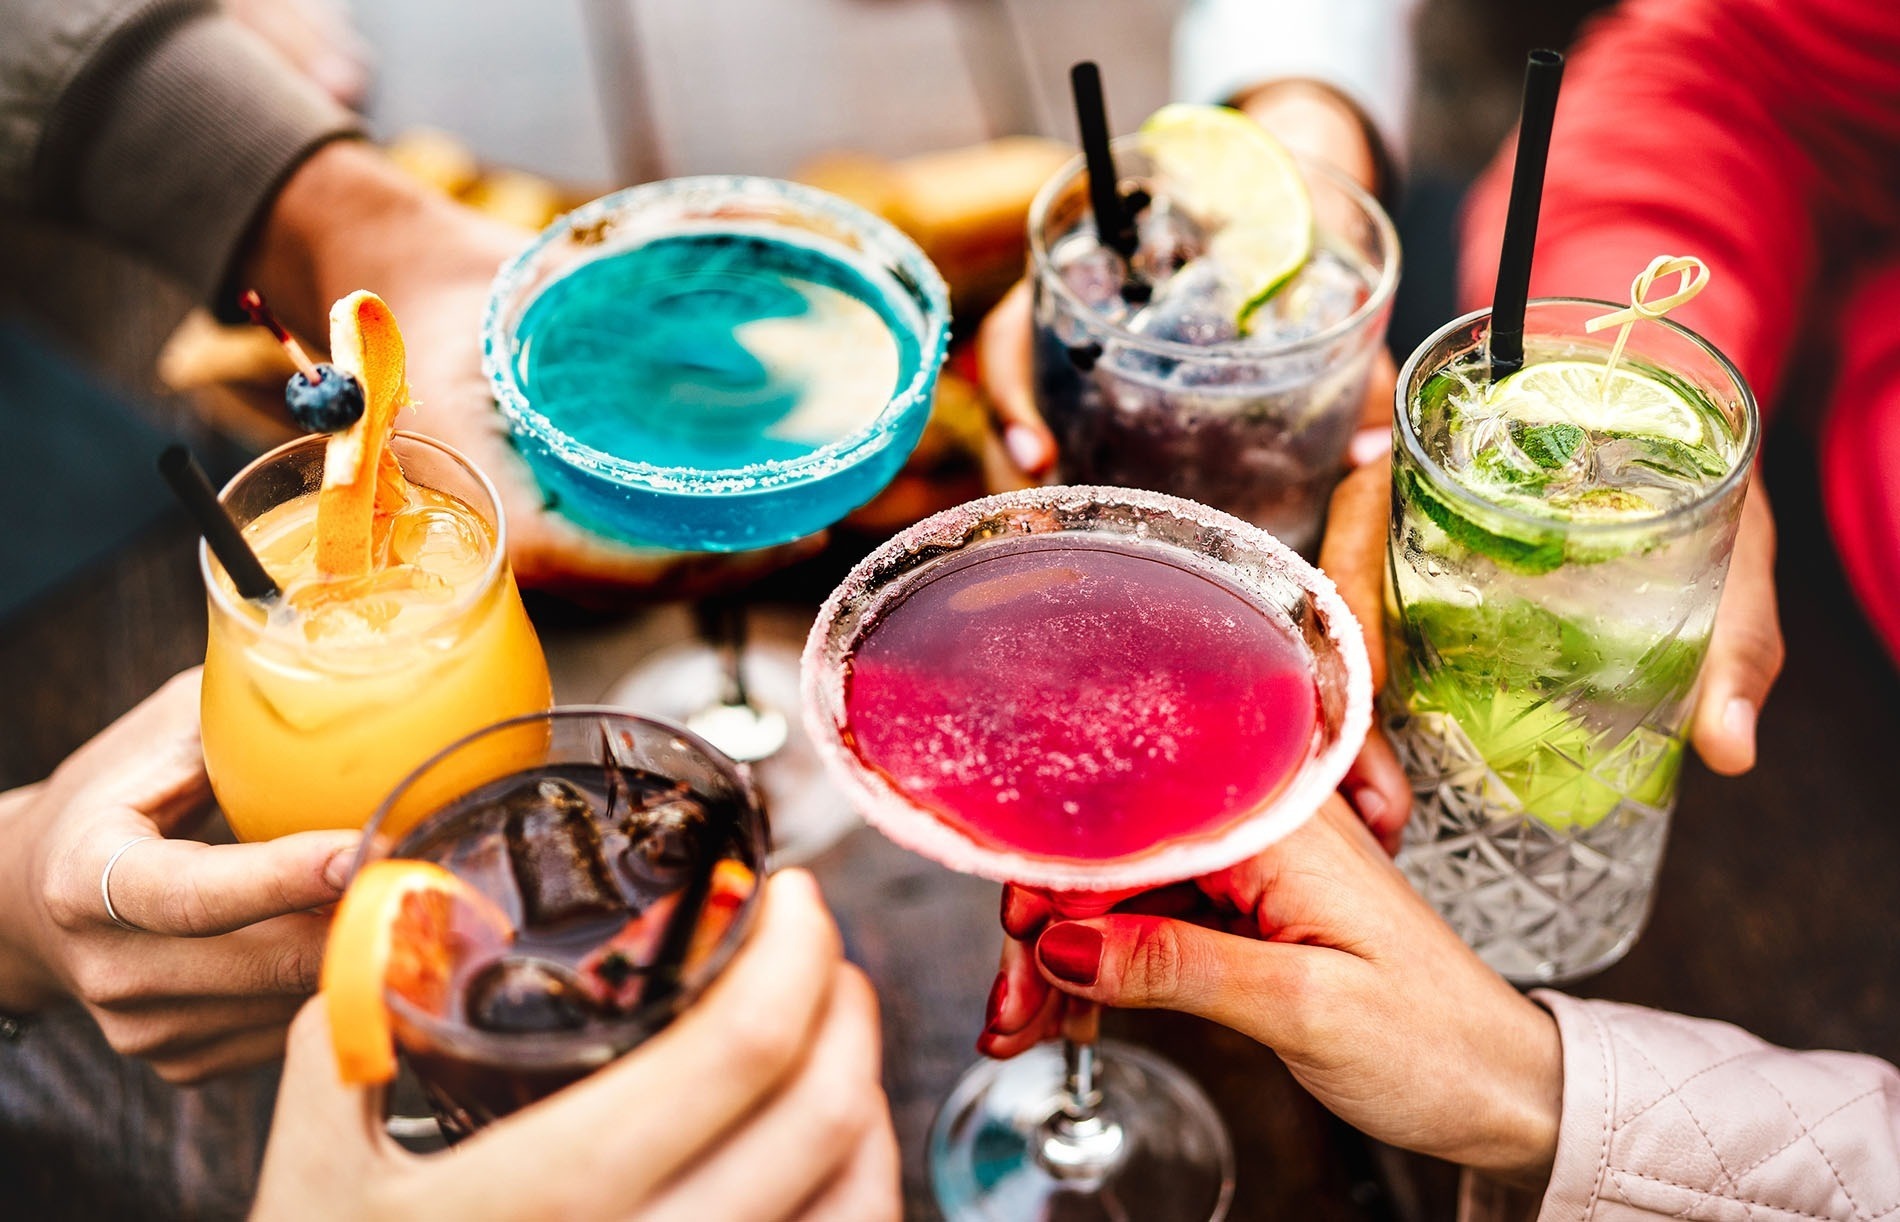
1543, 73
226, 541
1113, 224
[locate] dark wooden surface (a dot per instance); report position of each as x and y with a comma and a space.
1777, 901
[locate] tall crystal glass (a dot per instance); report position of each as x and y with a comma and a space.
1544, 666
1093, 1130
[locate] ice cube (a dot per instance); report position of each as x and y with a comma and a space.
1322, 294
664, 841
439, 540
1093, 273
516, 994
1195, 308
1168, 241
554, 847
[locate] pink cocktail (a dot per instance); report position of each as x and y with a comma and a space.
1090, 692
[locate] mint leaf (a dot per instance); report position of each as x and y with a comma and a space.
1548, 445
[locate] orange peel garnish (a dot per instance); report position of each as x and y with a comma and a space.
361, 478
392, 931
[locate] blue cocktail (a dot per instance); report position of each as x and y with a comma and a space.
714, 364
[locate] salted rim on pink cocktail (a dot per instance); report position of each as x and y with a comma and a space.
881, 579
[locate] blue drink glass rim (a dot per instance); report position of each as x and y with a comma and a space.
1405, 433
879, 236
1371, 308
595, 1045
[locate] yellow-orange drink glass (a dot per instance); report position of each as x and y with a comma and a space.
315, 710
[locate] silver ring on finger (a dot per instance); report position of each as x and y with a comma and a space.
105, 886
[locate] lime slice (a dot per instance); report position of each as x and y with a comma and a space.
1224, 170
1573, 392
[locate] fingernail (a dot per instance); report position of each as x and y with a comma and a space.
993, 1008
1371, 805
1026, 448
1071, 952
1738, 718
336, 871
1368, 445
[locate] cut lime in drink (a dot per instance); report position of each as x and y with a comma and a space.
1240, 184
1563, 440
1577, 393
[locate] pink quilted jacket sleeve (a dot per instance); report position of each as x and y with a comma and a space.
1666, 1116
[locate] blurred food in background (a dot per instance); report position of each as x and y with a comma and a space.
966, 207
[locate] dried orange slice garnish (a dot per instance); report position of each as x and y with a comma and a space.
393, 930
361, 479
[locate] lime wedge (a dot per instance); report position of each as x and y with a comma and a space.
1226, 172
1573, 392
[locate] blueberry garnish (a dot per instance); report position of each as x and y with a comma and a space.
333, 403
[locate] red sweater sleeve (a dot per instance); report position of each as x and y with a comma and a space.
1756, 134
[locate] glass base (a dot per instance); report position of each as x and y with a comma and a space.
682, 683
1001, 1150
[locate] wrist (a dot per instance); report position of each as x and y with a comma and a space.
348, 219
1522, 1107
1316, 121
27, 982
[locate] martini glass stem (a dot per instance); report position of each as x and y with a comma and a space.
1080, 1141
722, 624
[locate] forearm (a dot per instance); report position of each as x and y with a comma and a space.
158, 125
1360, 50
1701, 127
347, 219
1678, 1117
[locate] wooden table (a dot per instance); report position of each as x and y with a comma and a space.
1776, 907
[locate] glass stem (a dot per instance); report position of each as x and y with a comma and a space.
1080, 1031
722, 624
1079, 1143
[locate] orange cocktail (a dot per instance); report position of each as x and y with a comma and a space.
315, 708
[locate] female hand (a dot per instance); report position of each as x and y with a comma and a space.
348, 220
760, 1102
1319, 949
219, 946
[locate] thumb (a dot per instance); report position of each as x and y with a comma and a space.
189, 890
1745, 649
324, 1127
1156, 963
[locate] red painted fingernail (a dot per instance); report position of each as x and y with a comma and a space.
993, 1008
1071, 952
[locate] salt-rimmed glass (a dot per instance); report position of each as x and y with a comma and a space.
717, 685
728, 508
1091, 1129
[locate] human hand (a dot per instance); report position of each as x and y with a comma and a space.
225, 946
348, 220
1319, 949
1745, 649
760, 1102
316, 37
1309, 118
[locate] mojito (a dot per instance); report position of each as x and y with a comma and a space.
1559, 540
